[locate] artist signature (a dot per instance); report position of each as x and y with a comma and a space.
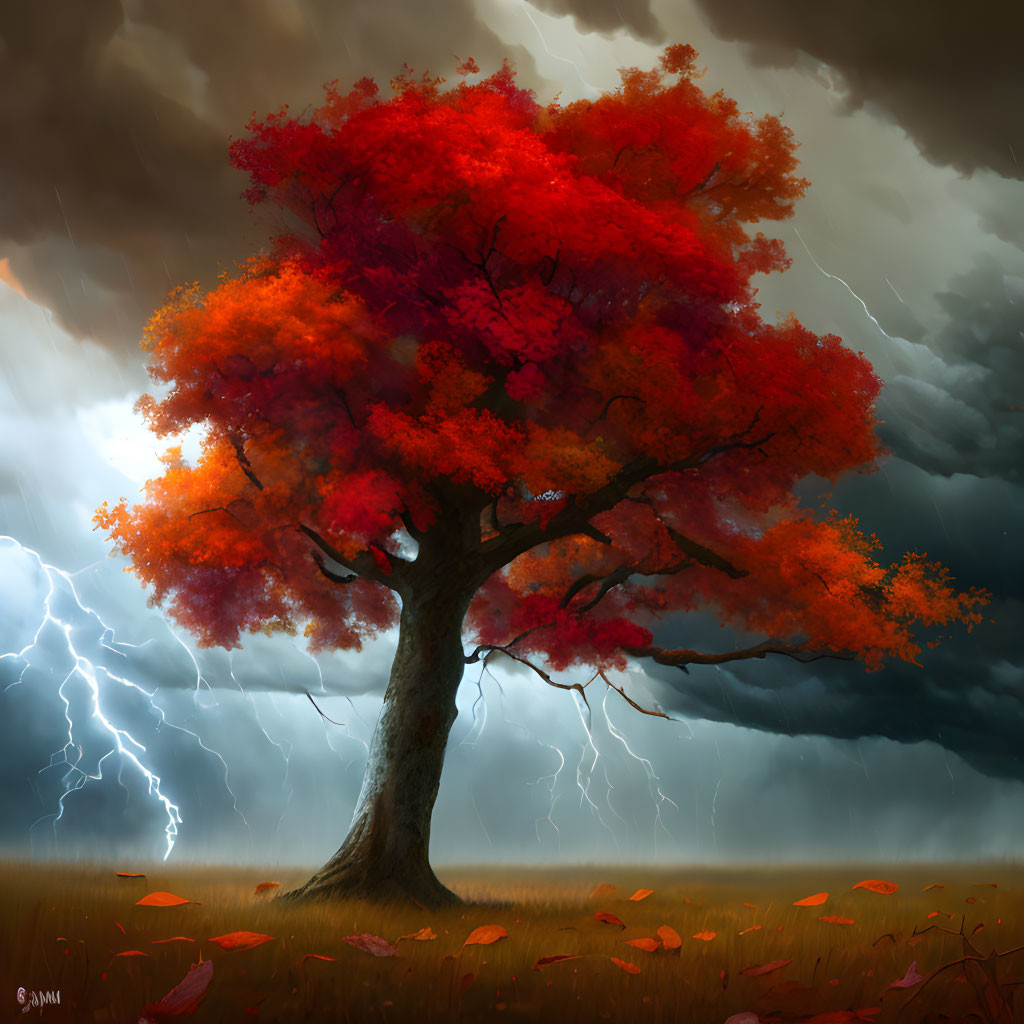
29, 1000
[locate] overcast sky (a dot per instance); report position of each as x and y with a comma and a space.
115, 187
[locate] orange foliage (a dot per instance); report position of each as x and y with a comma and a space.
162, 899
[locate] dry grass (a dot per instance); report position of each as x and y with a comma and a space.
60, 932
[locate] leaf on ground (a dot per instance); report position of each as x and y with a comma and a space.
423, 935
743, 1018
977, 928
133, 952
670, 938
752, 928
934, 913
648, 945
372, 944
185, 997
760, 969
121, 926
603, 891
877, 885
753, 906
978, 885
315, 956
625, 965
266, 887
130, 874
831, 919
973, 899
705, 936
812, 901
174, 938
162, 899
934, 885
909, 979
557, 958
603, 915
241, 940
641, 894
485, 935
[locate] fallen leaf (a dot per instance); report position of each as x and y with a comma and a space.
838, 920
649, 945
632, 968
773, 965
743, 1018
603, 915
973, 899
372, 944
423, 935
121, 926
130, 874
176, 938
909, 979
241, 940
977, 928
934, 913
641, 894
670, 938
133, 952
603, 891
705, 936
978, 885
557, 958
162, 899
751, 905
315, 956
877, 885
485, 935
185, 997
812, 901
266, 886
752, 928
934, 885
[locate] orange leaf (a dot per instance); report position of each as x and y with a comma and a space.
971, 899
241, 940
423, 935
752, 928
130, 874
641, 894
603, 915
650, 945
162, 899
133, 952
812, 901
773, 965
315, 956
837, 920
545, 960
705, 936
485, 935
175, 938
934, 913
877, 885
670, 938
372, 944
266, 886
753, 906
603, 891
934, 885
185, 996
632, 968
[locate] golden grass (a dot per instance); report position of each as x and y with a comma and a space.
61, 931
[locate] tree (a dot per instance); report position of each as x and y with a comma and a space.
504, 381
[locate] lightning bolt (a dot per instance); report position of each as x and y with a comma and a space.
584, 788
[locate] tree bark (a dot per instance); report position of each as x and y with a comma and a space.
385, 856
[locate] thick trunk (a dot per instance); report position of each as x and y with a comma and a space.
385, 856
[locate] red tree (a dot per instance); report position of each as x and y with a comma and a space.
506, 382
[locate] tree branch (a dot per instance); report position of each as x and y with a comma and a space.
681, 657
239, 445
364, 564
332, 576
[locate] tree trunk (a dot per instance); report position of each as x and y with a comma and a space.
385, 856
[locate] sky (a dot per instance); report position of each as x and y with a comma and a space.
120, 739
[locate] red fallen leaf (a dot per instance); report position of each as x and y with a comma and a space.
641, 894
973, 899
368, 943
162, 899
266, 886
752, 928
557, 958
632, 968
908, 980
121, 926
241, 940
812, 901
670, 938
315, 956
743, 1018
705, 936
185, 997
485, 935
130, 874
176, 938
934, 885
649, 945
423, 935
603, 891
751, 905
133, 952
603, 915
877, 885
838, 920
773, 965
934, 913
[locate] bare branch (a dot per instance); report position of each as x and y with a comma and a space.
322, 715
218, 508
680, 658
632, 703
364, 564
579, 687
239, 445
607, 406
332, 576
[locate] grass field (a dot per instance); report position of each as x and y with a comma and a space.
66, 929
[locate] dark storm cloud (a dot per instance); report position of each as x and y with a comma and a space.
607, 16
115, 177
950, 74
